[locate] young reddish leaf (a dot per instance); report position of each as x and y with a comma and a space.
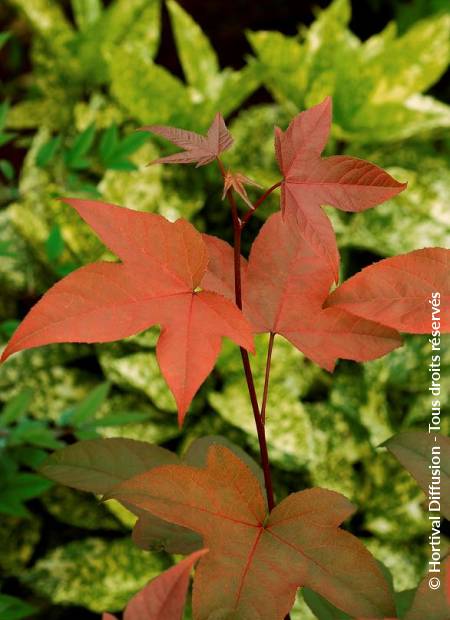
165, 596
397, 291
414, 450
347, 183
238, 181
163, 264
197, 148
299, 543
286, 284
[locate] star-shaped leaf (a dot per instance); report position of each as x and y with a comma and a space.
156, 283
285, 285
197, 148
347, 183
256, 561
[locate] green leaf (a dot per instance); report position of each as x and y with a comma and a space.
118, 419
132, 23
35, 433
4, 36
54, 245
147, 91
30, 456
47, 151
99, 464
12, 608
7, 169
108, 142
47, 18
18, 489
86, 12
414, 450
198, 58
16, 407
85, 411
75, 156
9, 326
396, 77
321, 608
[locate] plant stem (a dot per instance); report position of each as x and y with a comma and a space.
259, 202
238, 225
267, 377
237, 233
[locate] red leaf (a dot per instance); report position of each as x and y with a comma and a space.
163, 264
286, 284
396, 291
197, 148
165, 596
250, 551
347, 183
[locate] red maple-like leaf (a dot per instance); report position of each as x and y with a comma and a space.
398, 291
347, 183
165, 596
163, 264
285, 285
252, 552
197, 148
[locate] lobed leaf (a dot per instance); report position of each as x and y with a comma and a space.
198, 149
299, 543
163, 263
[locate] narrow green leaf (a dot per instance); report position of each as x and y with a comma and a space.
108, 143
85, 410
35, 433
16, 407
119, 419
4, 108
4, 36
30, 456
7, 169
12, 608
54, 246
75, 156
47, 151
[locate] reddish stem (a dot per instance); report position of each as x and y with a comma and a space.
237, 232
267, 377
238, 225
259, 202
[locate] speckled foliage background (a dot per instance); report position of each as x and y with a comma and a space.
77, 78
